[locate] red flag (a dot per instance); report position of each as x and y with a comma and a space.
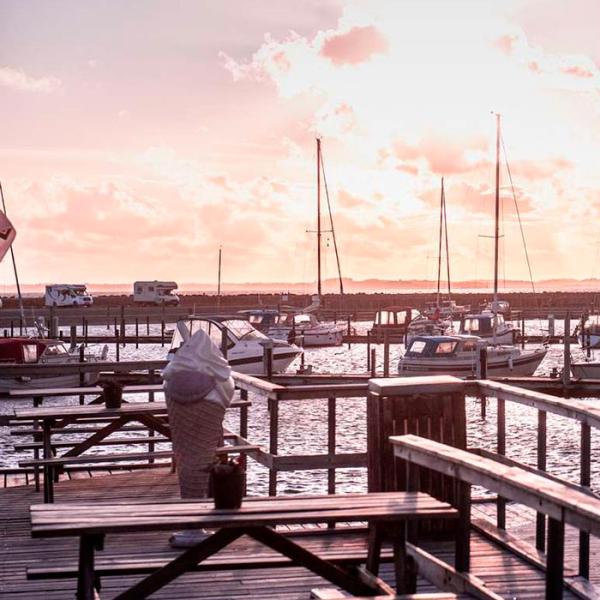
7, 234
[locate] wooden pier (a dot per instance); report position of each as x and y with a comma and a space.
502, 551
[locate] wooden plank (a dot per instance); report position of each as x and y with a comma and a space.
447, 578
550, 497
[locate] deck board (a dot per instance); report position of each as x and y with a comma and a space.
504, 573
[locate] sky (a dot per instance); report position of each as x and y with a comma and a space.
136, 137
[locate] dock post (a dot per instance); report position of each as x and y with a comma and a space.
522, 331
85, 332
137, 332
123, 328
550, 326
224, 342
108, 317
483, 364
373, 362
115, 325
267, 358
566, 375
117, 349
401, 406
162, 333
81, 373
12, 328
73, 336
151, 432
273, 438
540, 519
368, 351
147, 324
331, 427
386, 353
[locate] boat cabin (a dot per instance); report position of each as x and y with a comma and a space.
29, 350
501, 307
394, 319
442, 346
261, 318
482, 324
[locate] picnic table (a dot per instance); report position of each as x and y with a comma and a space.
257, 518
38, 395
150, 414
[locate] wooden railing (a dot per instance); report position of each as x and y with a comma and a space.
561, 504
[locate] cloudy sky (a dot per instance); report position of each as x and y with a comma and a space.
138, 136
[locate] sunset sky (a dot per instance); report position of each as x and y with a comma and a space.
138, 136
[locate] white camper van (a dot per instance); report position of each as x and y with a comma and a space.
67, 294
155, 292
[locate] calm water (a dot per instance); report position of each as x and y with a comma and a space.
303, 424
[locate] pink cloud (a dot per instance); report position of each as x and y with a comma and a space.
577, 71
356, 46
443, 156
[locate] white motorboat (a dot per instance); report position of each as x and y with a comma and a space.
459, 355
490, 326
15, 351
245, 344
306, 330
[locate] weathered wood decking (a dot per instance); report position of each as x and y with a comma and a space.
505, 574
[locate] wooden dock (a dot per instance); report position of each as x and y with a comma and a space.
502, 572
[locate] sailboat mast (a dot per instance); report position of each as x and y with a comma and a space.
219, 281
439, 273
497, 213
14, 262
319, 218
446, 236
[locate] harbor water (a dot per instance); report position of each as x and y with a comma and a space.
303, 424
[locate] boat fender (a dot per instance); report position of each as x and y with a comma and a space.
510, 363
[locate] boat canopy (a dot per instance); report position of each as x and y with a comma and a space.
393, 315
237, 330
442, 345
481, 324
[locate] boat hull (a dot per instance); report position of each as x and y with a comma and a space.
586, 370
593, 340
497, 366
252, 364
310, 337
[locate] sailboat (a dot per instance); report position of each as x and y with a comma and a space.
459, 354
444, 309
489, 323
303, 327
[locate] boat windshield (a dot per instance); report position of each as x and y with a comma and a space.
445, 347
417, 347
242, 330
55, 350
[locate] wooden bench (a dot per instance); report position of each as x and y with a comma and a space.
563, 503
257, 518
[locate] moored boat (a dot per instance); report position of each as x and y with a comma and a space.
16, 351
245, 344
306, 330
394, 320
459, 355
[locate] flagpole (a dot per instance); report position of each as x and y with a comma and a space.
14, 262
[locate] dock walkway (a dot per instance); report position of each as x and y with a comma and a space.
504, 573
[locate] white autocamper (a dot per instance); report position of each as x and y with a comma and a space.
155, 292
67, 294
